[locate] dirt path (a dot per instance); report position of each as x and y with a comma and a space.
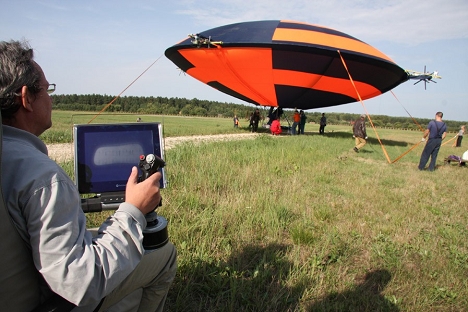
64, 152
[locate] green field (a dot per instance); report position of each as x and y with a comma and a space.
61, 131
302, 223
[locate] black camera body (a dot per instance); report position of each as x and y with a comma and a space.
155, 234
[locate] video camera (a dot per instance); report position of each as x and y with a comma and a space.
104, 156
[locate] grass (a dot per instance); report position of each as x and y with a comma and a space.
302, 223
61, 131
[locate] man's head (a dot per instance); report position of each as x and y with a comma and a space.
440, 115
24, 98
363, 116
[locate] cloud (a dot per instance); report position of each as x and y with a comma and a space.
404, 21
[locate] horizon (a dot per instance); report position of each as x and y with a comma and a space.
312, 111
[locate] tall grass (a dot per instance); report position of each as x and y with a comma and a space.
302, 223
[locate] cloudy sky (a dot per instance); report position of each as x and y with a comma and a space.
102, 46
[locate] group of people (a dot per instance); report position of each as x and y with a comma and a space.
299, 121
254, 120
274, 121
55, 257
433, 136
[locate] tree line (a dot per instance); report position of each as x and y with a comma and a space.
204, 108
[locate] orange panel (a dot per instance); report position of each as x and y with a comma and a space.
329, 40
235, 70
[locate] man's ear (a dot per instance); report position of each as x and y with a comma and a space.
26, 99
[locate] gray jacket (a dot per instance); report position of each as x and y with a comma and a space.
45, 207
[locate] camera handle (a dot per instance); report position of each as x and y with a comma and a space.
155, 234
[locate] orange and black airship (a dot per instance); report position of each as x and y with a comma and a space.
287, 64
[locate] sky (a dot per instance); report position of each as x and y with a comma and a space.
101, 47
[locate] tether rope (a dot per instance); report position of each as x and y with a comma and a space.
449, 140
419, 126
381, 144
365, 109
114, 99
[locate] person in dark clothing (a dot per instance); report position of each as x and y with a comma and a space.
302, 122
251, 120
359, 133
323, 123
255, 120
459, 137
435, 132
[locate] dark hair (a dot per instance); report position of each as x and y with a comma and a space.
16, 70
440, 114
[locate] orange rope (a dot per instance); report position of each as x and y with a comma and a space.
449, 140
401, 156
420, 128
110, 103
362, 103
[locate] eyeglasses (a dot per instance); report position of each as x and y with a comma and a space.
51, 88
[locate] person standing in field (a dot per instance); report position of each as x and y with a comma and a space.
435, 132
459, 137
302, 122
236, 121
359, 133
323, 123
255, 120
251, 120
296, 122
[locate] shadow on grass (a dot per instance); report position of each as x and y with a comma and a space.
258, 278
348, 135
252, 279
365, 296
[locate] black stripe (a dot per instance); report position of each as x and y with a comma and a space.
304, 98
316, 28
223, 88
381, 74
174, 55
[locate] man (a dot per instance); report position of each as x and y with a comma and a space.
303, 122
45, 208
323, 123
359, 133
296, 122
236, 121
436, 131
255, 120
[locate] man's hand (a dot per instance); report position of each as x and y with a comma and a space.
145, 195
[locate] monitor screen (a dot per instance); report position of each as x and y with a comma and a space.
105, 154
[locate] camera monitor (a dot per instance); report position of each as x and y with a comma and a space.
105, 154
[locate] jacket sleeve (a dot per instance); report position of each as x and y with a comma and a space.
78, 267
